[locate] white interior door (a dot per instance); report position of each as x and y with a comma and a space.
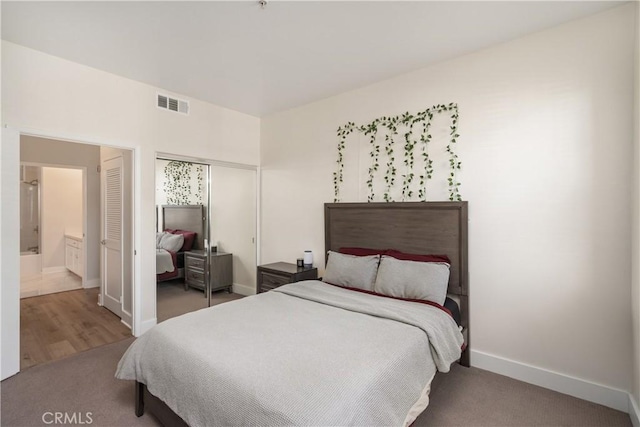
112, 201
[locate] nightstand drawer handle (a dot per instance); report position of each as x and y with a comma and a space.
195, 276
195, 262
271, 280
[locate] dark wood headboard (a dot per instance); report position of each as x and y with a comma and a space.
412, 227
185, 217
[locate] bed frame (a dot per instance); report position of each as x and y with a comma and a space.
184, 217
412, 227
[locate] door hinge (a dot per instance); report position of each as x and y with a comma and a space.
99, 168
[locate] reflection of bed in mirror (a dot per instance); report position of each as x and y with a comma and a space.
184, 220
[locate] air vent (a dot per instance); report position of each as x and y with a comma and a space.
172, 104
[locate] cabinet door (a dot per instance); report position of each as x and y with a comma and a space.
79, 261
68, 259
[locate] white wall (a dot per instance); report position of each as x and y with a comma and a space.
635, 294
57, 97
62, 212
52, 152
546, 124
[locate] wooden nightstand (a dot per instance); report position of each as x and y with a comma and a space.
221, 274
270, 276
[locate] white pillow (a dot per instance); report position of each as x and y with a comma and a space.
351, 271
159, 238
413, 279
171, 242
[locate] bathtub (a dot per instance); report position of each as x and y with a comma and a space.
30, 265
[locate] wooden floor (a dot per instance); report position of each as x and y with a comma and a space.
58, 325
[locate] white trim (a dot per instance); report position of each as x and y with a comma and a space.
92, 283
146, 325
125, 323
136, 209
634, 412
258, 219
190, 159
60, 269
126, 318
245, 290
10, 253
582, 389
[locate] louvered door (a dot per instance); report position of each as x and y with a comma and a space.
112, 235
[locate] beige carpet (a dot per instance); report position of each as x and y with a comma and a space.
173, 300
81, 383
464, 397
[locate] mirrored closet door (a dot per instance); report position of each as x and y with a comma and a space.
212, 207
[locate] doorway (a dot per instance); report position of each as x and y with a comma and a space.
224, 268
52, 220
70, 211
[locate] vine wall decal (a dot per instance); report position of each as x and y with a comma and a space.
178, 183
415, 131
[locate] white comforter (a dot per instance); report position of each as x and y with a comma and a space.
308, 353
164, 263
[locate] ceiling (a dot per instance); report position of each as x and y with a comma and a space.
259, 61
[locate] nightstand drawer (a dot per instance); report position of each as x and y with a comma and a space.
270, 281
270, 276
195, 277
193, 262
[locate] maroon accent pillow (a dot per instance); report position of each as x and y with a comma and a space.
416, 257
189, 238
362, 251
169, 230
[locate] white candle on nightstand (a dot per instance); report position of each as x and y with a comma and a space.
308, 259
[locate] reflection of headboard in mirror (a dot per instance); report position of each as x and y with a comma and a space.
185, 217
412, 227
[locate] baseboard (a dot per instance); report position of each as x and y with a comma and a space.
582, 389
634, 412
243, 289
92, 283
145, 326
50, 270
125, 323
126, 319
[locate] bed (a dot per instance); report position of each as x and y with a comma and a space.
313, 353
178, 218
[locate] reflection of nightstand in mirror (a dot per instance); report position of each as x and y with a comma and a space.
270, 276
221, 276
